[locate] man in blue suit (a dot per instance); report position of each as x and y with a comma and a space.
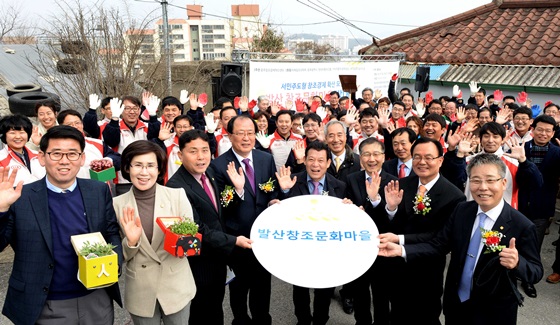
37, 222
245, 169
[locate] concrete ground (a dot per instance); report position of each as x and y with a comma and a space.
542, 310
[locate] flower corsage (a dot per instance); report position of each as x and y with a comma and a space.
267, 186
226, 196
491, 240
422, 204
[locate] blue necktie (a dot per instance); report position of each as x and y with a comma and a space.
470, 261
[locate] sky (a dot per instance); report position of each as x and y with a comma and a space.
377, 17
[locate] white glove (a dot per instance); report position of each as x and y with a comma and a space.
153, 105
322, 112
456, 91
211, 125
263, 139
420, 109
116, 108
474, 88
184, 97
94, 101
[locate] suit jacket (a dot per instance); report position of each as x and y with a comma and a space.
241, 213
26, 227
495, 303
151, 272
211, 264
418, 228
350, 165
333, 186
391, 167
535, 201
356, 191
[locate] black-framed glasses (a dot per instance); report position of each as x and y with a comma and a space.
57, 155
428, 159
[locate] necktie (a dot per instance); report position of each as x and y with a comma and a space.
402, 173
470, 261
337, 161
315, 188
207, 190
250, 173
422, 190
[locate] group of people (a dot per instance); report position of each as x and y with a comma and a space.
477, 180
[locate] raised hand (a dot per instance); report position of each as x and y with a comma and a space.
243, 104
299, 150
289, 105
498, 97
193, 101
509, 257
202, 100
517, 150
274, 108
429, 97
165, 131
393, 195
473, 86
184, 96
237, 177
300, 105
522, 98
116, 107
211, 124
263, 139
465, 145
471, 125
132, 226
153, 104
420, 108
351, 117
322, 112
372, 188
383, 118
456, 91
94, 101
391, 126
377, 94
284, 177
453, 139
35, 135
461, 114
502, 116
314, 106
394, 77
9, 194
145, 98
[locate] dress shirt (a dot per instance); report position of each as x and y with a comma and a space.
55, 189
312, 187
407, 166
240, 159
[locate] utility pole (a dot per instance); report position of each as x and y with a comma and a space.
166, 49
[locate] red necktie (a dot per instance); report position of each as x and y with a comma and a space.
207, 190
402, 174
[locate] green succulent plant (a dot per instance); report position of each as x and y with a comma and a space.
98, 249
184, 227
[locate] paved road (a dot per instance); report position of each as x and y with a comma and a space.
543, 310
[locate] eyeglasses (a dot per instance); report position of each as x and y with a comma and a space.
138, 167
74, 124
524, 119
242, 134
541, 130
310, 125
131, 108
374, 154
489, 182
368, 121
398, 109
428, 159
72, 156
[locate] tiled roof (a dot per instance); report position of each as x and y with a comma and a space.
503, 32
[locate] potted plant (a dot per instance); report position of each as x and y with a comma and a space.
181, 236
102, 170
98, 264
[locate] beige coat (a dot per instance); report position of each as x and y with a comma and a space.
151, 272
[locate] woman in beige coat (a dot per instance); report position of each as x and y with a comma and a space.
158, 285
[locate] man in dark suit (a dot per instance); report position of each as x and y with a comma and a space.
37, 223
315, 180
362, 188
415, 221
244, 169
481, 283
401, 142
209, 269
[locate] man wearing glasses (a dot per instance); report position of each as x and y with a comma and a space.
416, 215
119, 133
244, 170
37, 222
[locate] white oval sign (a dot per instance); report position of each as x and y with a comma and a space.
315, 241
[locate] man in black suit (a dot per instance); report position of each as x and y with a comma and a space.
343, 160
362, 188
209, 269
244, 169
481, 283
419, 301
401, 142
37, 223
315, 180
